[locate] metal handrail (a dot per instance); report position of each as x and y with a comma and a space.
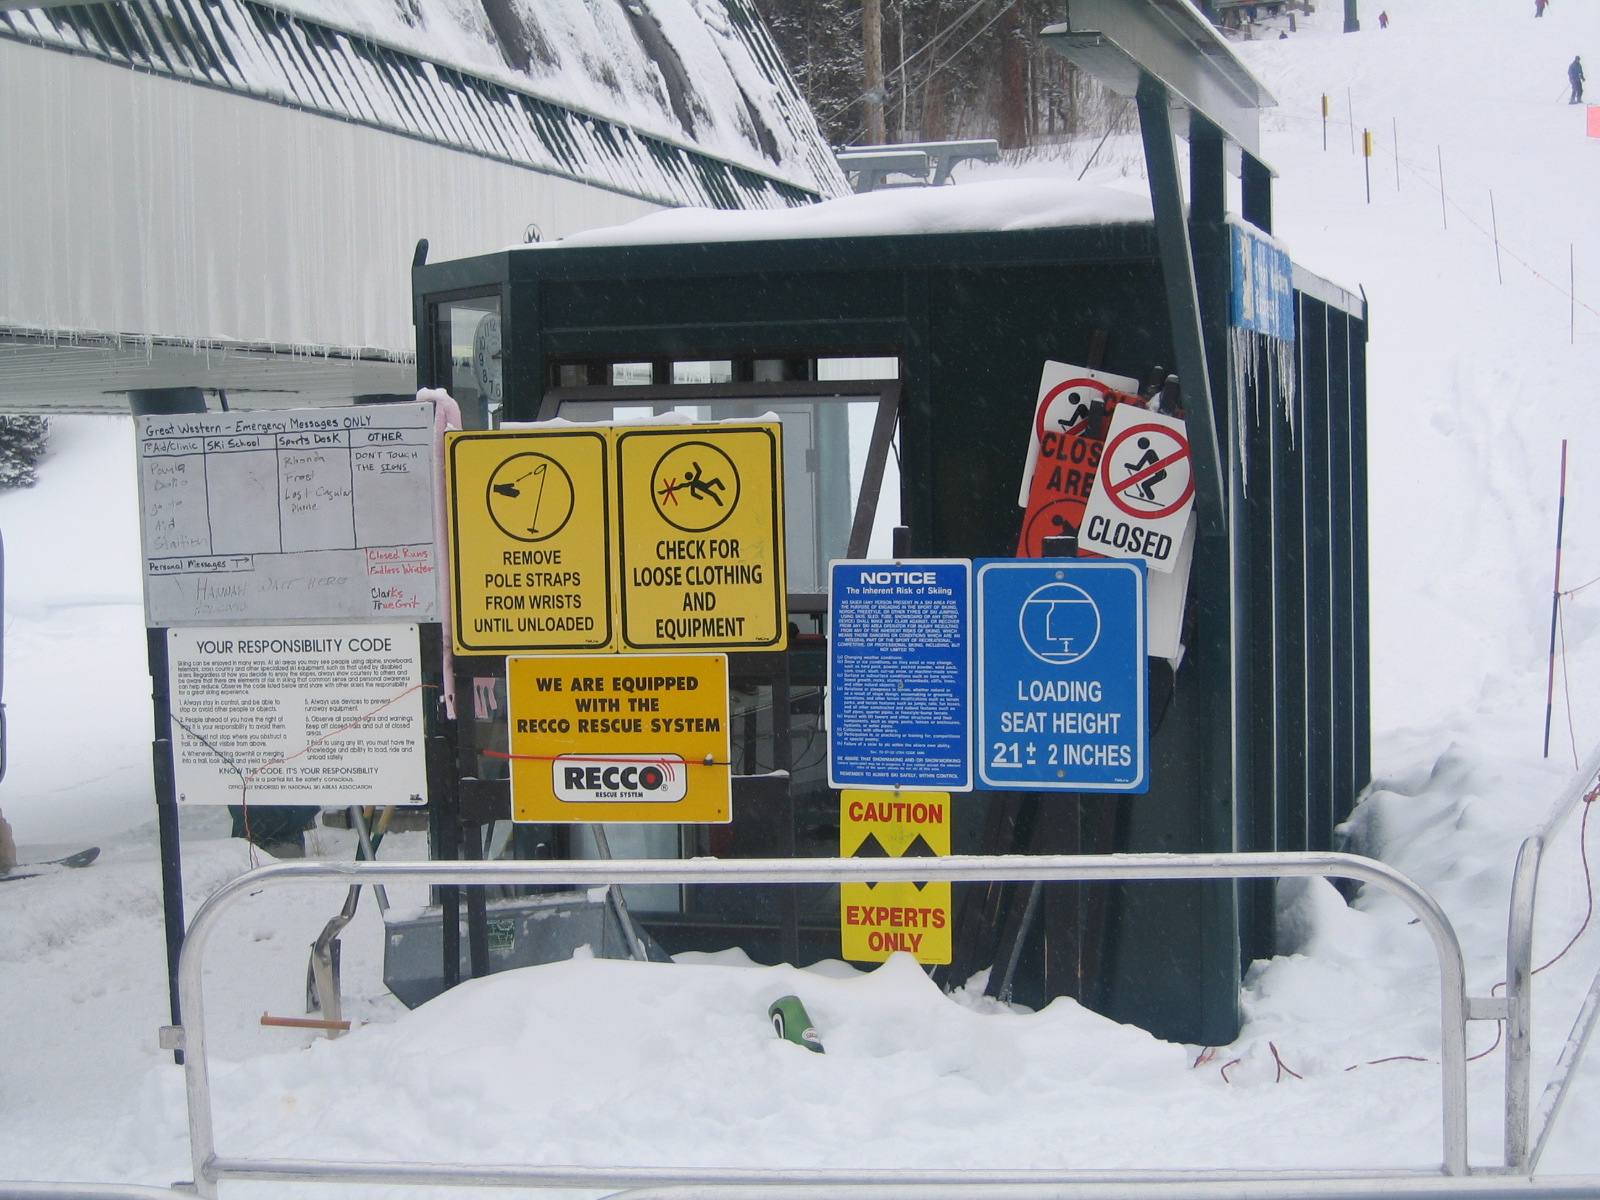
191, 1036
1521, 1156
1432, 1187
18, 1190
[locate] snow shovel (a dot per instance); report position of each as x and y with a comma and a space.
322, 972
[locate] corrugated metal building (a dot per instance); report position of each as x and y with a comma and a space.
228, 194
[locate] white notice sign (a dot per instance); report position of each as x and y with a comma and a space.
304, 714
322, 514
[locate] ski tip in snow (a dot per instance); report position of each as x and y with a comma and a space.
29, 870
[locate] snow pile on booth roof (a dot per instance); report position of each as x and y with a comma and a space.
704, 73
1009, 204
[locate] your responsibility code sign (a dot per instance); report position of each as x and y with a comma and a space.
1144, 490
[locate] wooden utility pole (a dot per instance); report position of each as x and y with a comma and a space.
1013, 81
872, 69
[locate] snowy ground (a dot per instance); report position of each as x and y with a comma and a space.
1475, 382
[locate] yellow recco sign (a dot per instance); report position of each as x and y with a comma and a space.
876, 919
700, 537
530, 538
633, 737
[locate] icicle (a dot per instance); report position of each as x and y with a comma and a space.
1260, 365
1289, 388
1243, 351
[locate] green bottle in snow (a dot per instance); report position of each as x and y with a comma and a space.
791, 1022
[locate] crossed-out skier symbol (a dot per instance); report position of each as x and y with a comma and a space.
695, 486
1157, 477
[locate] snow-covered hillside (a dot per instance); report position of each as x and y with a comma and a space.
1476, 374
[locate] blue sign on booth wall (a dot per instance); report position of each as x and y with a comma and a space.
1262, 296
900, 675
1061, 675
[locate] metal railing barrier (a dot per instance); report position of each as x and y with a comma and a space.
210, 1168
89, 1191
1522, 1155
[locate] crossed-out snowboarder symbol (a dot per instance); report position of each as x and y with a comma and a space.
1144, 480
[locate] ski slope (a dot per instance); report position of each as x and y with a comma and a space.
1477, 374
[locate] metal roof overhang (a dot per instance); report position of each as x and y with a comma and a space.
1117, 40
92, 373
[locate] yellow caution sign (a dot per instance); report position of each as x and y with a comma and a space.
700, 535
530, 540
632, 737
876, 919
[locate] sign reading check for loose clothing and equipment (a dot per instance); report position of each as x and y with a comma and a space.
700, 537
654, 538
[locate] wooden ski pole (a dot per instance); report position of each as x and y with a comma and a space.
1555, 602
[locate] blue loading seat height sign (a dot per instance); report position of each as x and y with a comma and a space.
900, 675
1061, 675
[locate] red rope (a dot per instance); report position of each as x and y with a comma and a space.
244, 780
708, 761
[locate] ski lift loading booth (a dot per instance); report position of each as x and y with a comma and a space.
1263, 739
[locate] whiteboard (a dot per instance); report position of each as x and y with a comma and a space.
323, 514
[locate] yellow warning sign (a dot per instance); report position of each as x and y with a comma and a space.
634, 737
700, 536
530, 540
876, 919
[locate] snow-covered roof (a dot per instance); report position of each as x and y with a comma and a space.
674, 101
996, 205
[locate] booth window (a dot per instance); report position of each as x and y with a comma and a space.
467, 338
841, 500
841, 474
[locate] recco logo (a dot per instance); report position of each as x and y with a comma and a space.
621, 778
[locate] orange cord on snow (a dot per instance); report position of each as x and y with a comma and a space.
1283, 1067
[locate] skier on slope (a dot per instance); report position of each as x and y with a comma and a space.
1575, 77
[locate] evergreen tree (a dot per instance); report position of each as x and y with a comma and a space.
22, 443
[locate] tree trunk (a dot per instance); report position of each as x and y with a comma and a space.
872, 72
1013, 81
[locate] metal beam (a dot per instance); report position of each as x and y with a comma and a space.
1183, 304
1117, 41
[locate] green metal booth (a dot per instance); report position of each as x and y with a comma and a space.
1260, 737
905, 368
